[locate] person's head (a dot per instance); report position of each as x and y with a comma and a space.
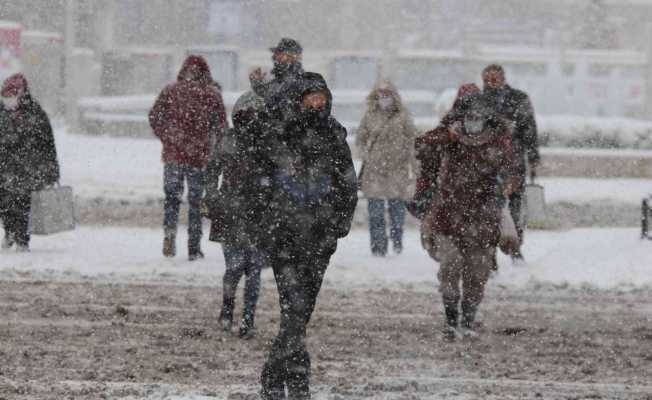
196, 69
477, 115
248, 111
13, 91
286, 54
463, 93
385, 97
316, 98
493, 77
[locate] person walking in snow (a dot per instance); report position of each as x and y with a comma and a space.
313, 197
429, 153
28, 159
237, 206
188, 117
476, 150
385, 139
515, 106
282, 94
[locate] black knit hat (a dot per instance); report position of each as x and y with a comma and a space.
287, 45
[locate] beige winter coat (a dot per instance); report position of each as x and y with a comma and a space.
385, 140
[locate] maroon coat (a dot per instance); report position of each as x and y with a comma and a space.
189, 115
466, 202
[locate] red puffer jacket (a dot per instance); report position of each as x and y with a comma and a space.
189, 115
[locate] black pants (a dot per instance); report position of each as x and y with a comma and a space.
516, 208
299, 276
14, 212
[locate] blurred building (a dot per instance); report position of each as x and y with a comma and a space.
575, 49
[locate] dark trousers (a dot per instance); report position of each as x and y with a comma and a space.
14, 212
377, 226
298, 278
516, 209
173, 178
242, 260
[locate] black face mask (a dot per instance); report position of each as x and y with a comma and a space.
279, 70
314, 115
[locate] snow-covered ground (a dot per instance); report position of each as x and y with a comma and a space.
131, 169
604, 258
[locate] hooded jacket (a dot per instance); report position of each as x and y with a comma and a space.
28, 156
236, 207
314, 187
189, 115
465, 206
385, 139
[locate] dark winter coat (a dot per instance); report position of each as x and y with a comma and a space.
314, 188
28, 156
236, 207
282, 95
189, 115
515, 106
465, 204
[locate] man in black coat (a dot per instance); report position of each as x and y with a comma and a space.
516, 107
237, 205
313, 197
28, 158
282, 94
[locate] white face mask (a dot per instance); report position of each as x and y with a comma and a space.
473, 126
10, 103
385, 102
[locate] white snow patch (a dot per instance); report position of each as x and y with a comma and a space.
603, 258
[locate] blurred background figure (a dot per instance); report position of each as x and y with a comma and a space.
28, 159
385, 139
516, 107
187, 117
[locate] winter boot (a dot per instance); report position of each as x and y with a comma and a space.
273, 382
170, 243
398, 246
194, 252
22, 248
452, 316
226, 315
247, 328
467, 325
195, 255
8, 241
298, 383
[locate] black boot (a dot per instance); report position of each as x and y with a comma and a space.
468, 315
452, 317
194, 252
298, 380
226, 315
467, 324
247, 327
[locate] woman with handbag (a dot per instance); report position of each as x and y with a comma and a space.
28, 159
476, 153
385, 139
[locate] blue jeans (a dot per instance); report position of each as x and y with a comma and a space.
173, 178
242, 260
377, 226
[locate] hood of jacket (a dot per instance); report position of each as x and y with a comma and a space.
195, 69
